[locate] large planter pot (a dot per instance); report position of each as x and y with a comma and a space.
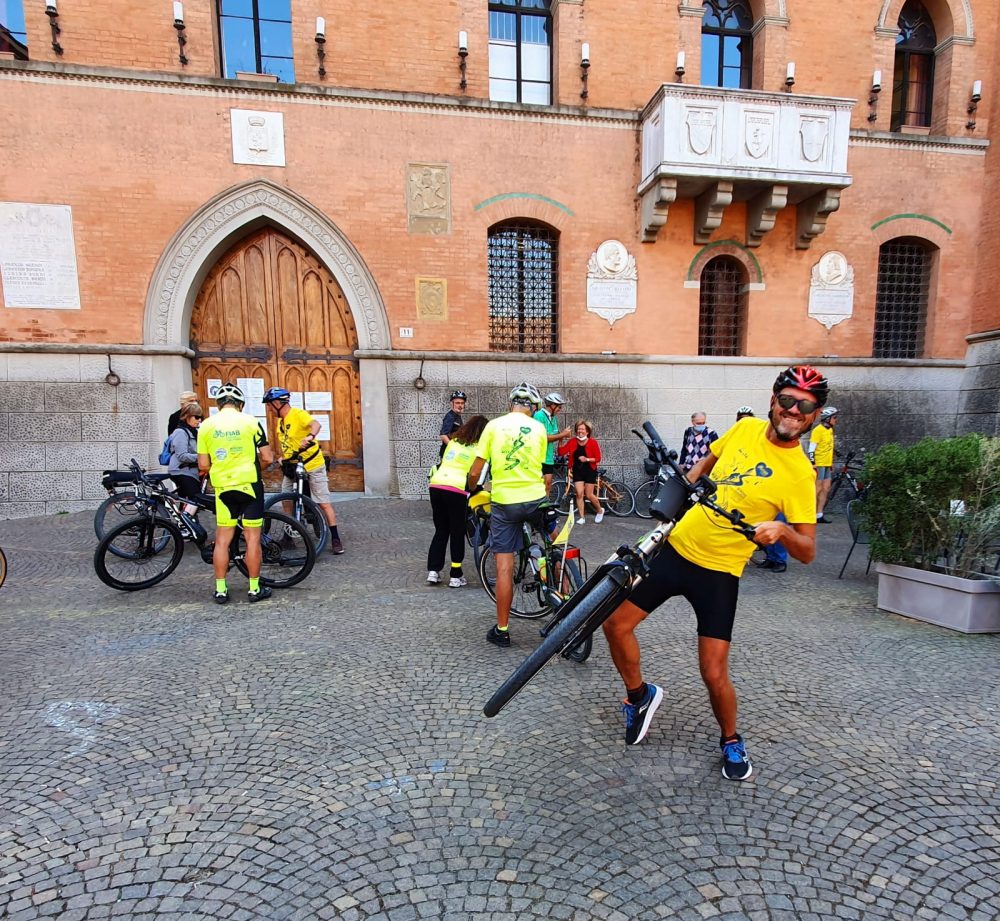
967, 605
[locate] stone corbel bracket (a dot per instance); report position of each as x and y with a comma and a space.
655, 206
709, 208
813, 214
762, 212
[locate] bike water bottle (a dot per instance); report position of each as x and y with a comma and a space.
535, 552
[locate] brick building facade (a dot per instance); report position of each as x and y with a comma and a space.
380, 233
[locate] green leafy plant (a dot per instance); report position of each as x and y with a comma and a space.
935, 505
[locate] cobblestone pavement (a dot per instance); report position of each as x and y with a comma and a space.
324, 755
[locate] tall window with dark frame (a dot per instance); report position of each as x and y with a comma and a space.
257, 38
902, 293
523, 267
727, 44
722, 308
913, 72
521, 51
13, 34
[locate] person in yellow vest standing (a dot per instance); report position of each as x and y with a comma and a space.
449, 501
231, 448
820, 452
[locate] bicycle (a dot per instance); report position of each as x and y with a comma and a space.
126, 497
848, 472
142, 551
547, 571
477, 524
615, 497
644, 497
613, 582
299, 504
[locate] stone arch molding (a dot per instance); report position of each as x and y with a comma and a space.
211, 230
961, 12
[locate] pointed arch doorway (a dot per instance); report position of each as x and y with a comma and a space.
270, 310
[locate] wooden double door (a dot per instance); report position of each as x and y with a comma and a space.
270, 310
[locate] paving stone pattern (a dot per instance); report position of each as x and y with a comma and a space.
324, 755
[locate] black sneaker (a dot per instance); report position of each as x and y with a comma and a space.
263, 592
735, 760
221, 597
639, 716
499, 637
773, 566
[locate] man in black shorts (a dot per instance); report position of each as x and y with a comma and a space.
761, 471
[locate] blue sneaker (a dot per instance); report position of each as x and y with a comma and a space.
639, 716
735, 760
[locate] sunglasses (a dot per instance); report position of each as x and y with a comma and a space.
787, 401
199, 418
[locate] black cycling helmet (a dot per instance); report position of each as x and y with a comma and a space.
276, 394
804, 377
458, 395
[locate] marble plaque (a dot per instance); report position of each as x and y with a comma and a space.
432, 299
38, 256
428, 198
612, 281
831, 290
258, 137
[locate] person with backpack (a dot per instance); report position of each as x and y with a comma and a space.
182, 463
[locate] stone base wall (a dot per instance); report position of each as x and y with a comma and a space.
979, 397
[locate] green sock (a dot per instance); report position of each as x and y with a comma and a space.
255, 584
220, 586
504, 629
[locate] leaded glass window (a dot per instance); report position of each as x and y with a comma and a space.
727, 44
913, 73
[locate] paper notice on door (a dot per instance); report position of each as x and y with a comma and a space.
324, 427
253, 390
320, 400
295, 399
212, 385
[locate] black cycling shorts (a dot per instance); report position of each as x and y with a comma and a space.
712, 594
239, 503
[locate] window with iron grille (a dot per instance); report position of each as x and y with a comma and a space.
723, 308
901, 296
913, 71
523, 287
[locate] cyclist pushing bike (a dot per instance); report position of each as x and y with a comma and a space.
760, 470
231, 448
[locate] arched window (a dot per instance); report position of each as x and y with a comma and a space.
901, 296
913, 72
723, 308
727, 44
523, 287
257, 38
13, 35
521, 51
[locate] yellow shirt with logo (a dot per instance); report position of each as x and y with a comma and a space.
453, 468
231, 439
514, 445
756, 477
294, 427
822, 437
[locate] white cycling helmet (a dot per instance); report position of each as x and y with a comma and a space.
555, 399
525, 394
828, 413
230, 393
745, 411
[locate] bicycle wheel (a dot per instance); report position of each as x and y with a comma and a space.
616, 497
643, 496
561, 496
477, 532
3, 567
582, 621
526, 601
287, 553
303, 509
118, 507
571, 583
835, 486
138, 553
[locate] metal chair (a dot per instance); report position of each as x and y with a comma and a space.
858, 536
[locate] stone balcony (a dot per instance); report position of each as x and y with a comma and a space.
719, 146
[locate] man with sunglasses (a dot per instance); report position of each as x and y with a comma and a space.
760, 470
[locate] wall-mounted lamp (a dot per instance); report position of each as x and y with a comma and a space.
790, 75
873, 98
320, 42
584, 68
463, 53
679, 69
179, 26
977, 94
52, 11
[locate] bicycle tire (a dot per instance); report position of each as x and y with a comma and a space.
581, 652
643, 495
477, 533
118, 507
561, 638
623, 504
835, 486
3, 567
526, 601
561, 496
298, 555
146, 534
306, 510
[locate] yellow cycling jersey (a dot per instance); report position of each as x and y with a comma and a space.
822, 437
292, 429
231, 439
756, 477
454, 466
514, 446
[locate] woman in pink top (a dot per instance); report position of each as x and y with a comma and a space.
584, 454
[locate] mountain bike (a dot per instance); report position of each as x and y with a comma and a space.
547, 571
141, 552
298, 504
126, 495
615, 497
613, 582
644, 497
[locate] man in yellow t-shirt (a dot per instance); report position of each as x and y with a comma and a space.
514, 446
231, 448
761, 471
297, 432
821, 454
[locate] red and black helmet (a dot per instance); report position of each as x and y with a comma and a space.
804, 377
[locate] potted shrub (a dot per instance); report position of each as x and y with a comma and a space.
932, 511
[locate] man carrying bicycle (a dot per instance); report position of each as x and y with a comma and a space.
760, 471
297, 431
231, 448
514, 446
